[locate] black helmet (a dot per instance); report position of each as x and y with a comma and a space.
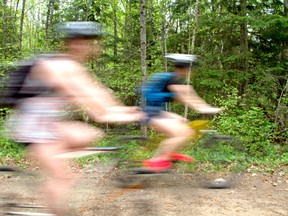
182, 60
80, 29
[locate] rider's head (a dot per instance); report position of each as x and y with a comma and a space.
82, 38
86, 30
181, 62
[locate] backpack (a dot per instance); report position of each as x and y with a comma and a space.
12, 86
152, 91
13, 82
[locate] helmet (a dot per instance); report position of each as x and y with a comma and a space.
182, 60
80, 29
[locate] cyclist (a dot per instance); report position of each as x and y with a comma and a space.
171, 124
55, 82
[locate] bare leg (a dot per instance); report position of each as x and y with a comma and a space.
59, 180
71, 136
77, 134
175, 129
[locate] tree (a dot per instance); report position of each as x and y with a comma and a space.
8, 32
243, 44
143, 49
192, 48
21, 24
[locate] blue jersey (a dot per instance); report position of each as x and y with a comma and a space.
154, 91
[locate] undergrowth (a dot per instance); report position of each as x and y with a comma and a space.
221, 156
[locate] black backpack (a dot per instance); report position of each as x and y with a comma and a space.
12, 83
12, 88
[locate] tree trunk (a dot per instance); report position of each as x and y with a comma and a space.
281, 111
244, 44
244, 36
195, 27
115, 4
164, 34
88, 3
285, 7
48, 17
16, 9
21, 25
128, 36
192, 48
143, 51
213, 6
130, 29
284, 52
4, 28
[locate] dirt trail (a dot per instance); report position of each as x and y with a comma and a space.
173, 194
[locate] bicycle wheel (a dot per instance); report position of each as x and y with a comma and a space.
18, 196
224, 154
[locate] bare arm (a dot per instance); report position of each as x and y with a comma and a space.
71, 79
187, 95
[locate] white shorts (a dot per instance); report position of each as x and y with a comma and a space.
36, 120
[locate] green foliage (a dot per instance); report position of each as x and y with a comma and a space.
248, 123
8, 33
254, 97
10, 151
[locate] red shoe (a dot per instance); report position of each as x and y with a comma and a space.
158, 164
180, 157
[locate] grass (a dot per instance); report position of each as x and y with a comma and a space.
221, 156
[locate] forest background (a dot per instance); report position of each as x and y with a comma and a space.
243, 46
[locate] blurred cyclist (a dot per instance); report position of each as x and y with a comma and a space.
53, 83
171, 86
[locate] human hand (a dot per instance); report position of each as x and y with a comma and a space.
209, 110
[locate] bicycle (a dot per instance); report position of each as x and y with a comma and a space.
138, 176
133, 174
10, 204
217, 144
